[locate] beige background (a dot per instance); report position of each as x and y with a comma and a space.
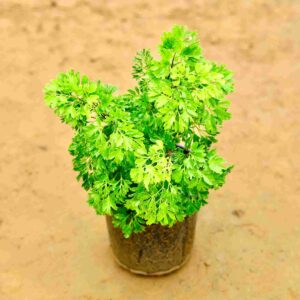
53, 246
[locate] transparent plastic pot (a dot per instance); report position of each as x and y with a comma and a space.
158, 250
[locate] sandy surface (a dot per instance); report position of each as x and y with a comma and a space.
53, 246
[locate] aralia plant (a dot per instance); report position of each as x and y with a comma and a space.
147, 156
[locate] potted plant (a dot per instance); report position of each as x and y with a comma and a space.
146, 157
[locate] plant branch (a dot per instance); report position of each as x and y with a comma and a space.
172, 64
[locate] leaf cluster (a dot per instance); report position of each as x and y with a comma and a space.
147, 156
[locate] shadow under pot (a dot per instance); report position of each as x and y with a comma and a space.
158, 250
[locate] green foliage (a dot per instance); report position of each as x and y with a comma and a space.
146, 156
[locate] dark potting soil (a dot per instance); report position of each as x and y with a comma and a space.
157, 250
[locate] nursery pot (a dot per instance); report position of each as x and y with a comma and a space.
158, 250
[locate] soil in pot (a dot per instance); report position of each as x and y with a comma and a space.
158, 250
